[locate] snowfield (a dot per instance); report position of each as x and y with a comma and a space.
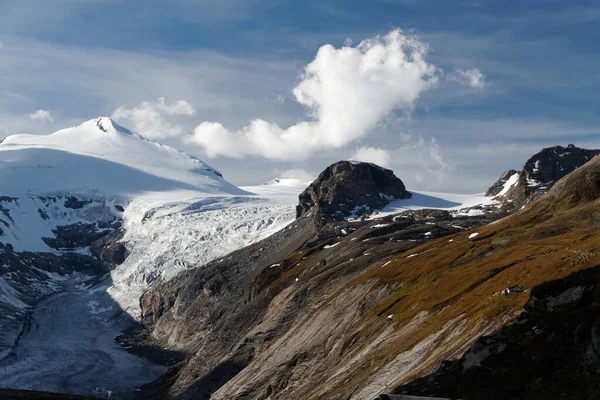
177, 211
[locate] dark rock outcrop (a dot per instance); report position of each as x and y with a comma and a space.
109, 249
553, 163
539, 174
69, 237
350, 188
75, 203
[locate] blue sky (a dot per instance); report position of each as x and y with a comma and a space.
235, 61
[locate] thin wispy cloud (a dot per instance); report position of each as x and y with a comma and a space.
373, 155
471, 77
297, 173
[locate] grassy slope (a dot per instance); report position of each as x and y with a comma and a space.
462, 279
549, 240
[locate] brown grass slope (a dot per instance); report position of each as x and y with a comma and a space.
358, 319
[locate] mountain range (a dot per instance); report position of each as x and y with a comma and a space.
129, 269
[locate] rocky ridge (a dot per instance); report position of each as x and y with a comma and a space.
538, 175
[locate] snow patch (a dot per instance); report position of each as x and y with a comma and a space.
512, 181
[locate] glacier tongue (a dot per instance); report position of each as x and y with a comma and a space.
166, 239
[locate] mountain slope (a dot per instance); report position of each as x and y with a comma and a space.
368, 305
247, 320
552, 351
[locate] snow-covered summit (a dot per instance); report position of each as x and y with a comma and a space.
102, 157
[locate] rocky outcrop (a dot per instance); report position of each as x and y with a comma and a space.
538, 175
497, 187
552, 163
349, 188
109, 248
74, 236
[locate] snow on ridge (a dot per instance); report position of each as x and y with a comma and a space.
30, 219
101, 157
433, 200
179, 213
280, 190
510, 182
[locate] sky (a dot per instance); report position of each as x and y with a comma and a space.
448, 94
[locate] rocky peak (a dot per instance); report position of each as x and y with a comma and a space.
552, 163
107, 125
350, 188
539, 174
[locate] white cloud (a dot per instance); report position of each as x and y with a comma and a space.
373, 155
42, 116
471, 77
421, 163
405, 137
346, 92
180, 107
297, 173
148, 119
279, 99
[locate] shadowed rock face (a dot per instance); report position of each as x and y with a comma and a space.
552, 163
350, 188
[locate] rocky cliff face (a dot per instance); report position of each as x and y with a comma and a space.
538, 175
349, 188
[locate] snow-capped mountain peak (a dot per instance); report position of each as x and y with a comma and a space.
100, 156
